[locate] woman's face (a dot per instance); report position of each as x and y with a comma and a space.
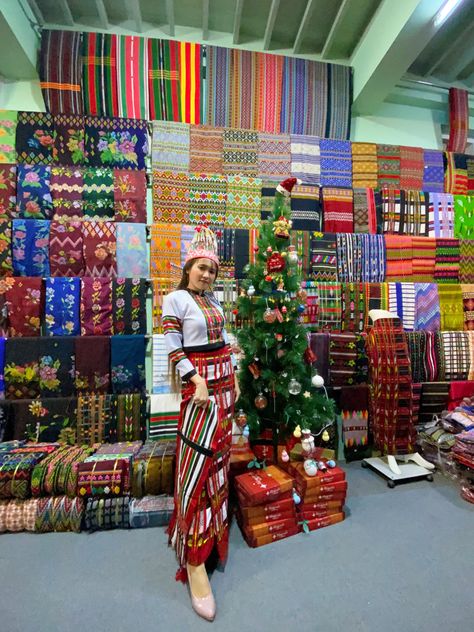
202, 275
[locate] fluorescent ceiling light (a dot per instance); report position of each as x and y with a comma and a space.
445, 11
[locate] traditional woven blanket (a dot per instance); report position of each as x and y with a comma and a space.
170, 144
427, 314
364, 165
441, 215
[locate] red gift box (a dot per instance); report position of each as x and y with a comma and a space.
271, 537
261, 513
269, 528
319, 523
319, 513
262, 486
330, 506
335, 491
305, 482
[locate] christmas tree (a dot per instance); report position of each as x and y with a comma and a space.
278, 383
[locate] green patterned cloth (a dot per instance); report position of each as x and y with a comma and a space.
207, 198
243, 202
98, 193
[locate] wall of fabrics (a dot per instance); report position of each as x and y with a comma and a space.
135, 77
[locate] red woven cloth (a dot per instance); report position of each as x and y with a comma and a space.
458, 120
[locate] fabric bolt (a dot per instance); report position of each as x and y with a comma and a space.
127, 360
62, 304
99, 76
305, 159
94, 419
206, 149
165, 251
22, 368
8, 122
30, 247
96, 306
329, 313
466, 262
411, 168
99, 248
107, 513
61, 83
401, 303
132, 76
455, 173
433, 173
67, 185
69, 140
388, 166
103, 477
323, 265
361, 211
243, 202
342, 359
468, 305
399, 257
151, 511
207, 198
275, 157
98, 193
458, 119
170, 144
129, 195
24, 300
353, 307
164, 83
424, 257
451, 307
349, 257
447, 261
132, 249
463, 216
454, 347
92, 364
129, 417
306, 213
7, 190
129, 306
336, 163
338, 210
56, 367
240, 153
6, 263
364, 165
66, 249
427, 309
16, 469
372, 258
34, 138
171, 197
33, 192
441, 215
116, 143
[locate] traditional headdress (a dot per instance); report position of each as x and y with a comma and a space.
203, 245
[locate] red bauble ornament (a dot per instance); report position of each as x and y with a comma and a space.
269, 315
309, 356
261, 401
235, 312
268, 278
279, 337
275, 263
284, 309
241, 418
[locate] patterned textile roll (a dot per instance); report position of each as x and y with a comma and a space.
153, 469
458, 119
165, 250
163, 417
16, 468
416, 341
7, 190
376, 297
451, 307
305, 159
116, 143
127, 363
48, 419
373, 258
104, 477
300, 239
98, 193
99, 248
67, 186
364, 165
427, 314
59, 513
66, 249
30, 247
33, 192
240, 152
151, 511
56, 474
342, 358
361, 211
161, 287
6, 263
170, 197
107, 513
447, 261
243, 202
306, 212
20, 515
132, 250
206, 149
69, 139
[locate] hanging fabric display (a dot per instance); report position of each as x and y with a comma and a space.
388, 166
165, 250
24, 304
433, 173
132, 74
464, 216
56, 474
276, 159
69, 141
94, 418
99, 74
67, 185
92, 364
342, 358
22, 378
411, 168
364, 165
66, 249
160, 288
338, 210
170, 145
455, 173
441, 215
353, 307
323, 257
99, 248
424, 257
329, 306
447, 261
305, 159
33, 192
242, 208
336, 163
468, 306
8, 122
163, 417
245, 244
116, 143
373, 258
206, 149
458, 119
30, 247
34, 138
129, 306
454, 347
466, 263
129, 417
132, 250
96, 306
127, 358
427, 313
170, 197
399, 262
191, 73
7, 190
164, 80
6, 263
98, 193
451, 307
160, 375
306, 213
401, 303
240, 153
349, 257
130, 196
44, 419
62, 304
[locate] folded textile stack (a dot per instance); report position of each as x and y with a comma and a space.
16, 468
56, 474
103, 514
436, 446
151, 511
463, 453
153, 469
322, 496
266, 507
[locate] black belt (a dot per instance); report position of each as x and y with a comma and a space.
195, 446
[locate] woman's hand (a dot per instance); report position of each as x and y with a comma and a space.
237, 387
201, 394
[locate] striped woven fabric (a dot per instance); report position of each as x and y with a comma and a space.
274, 154
401, 302
361, 211
468, 305
165, 250
329, 306
424, 255
164, 80
458, 119
349, 257
411, 168
310, 314
338, 210
98, 193
470, 174
305, 159
161, 382
353, 307
99, 74
132, 76
466, 263
323, 264
300, 239
388, 166
191, 69
392, 209
375, 208
433, 173
376, 297
339, 101
336, 163
421, 349
306, 211
364, 165
243, 202
170, 146
240, 152
245, 89
399, 258
207, 198
470, 336
416, 211
447, 261
441, 215
451, 307
342, 358
206, 148
373, 258
218, 76
427, 314
160, 288
464, 216
270, 81
61, 83
170, 197
455, 173
454, 347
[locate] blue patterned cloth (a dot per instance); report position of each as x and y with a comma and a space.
373, 258
128, 363
33, 194
132, 260
336, 163
30, 247
63, 299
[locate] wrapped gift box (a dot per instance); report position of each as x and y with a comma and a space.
304, 483
260, 513
296, 453
319, 523
267, 528
269, 517
258, 487
329, 506
334, 491
320, 512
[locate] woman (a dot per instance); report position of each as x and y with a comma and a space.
199, 354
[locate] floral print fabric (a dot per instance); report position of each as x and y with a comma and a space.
35, 138
132, 251
22, 379
56, 366
33, 194
8, 122
129, 306
96, 306
66, 249
99, 248
127, 358
69, 143
62, 306
67, 185
119, 143
92, 372
98, 194
7, 190
30, 247
23, 303
130, 196
6, 265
